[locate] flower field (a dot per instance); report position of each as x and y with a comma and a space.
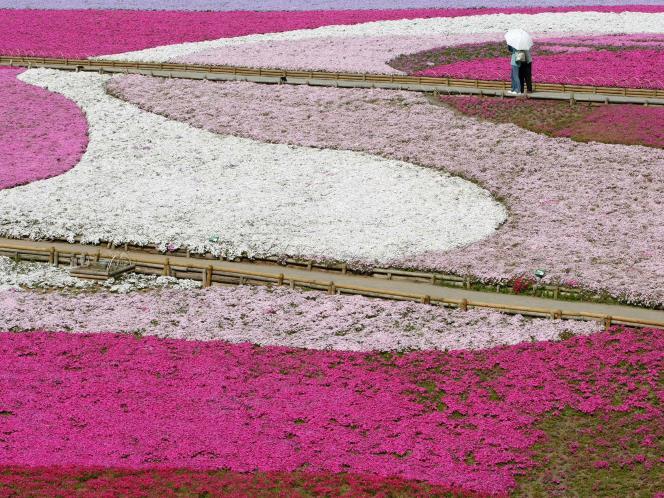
147, 385
463, 420
405, 126
619, 124
634, 63
69, 32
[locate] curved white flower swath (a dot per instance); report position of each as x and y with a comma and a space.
145, 179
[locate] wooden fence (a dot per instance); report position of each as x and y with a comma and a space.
209, 273
279, 74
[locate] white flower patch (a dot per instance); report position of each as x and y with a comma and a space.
548, 22
147, 180
18, 275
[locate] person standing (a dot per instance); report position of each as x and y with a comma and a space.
516, 73
526, 73
519, 44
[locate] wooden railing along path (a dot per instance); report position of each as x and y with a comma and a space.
417, 83
209, 273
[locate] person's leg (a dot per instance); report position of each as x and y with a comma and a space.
516, 85
522, 76
528, 74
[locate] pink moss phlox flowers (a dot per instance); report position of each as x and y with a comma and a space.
621, 124
630, 68
160, 482
42, 134
643, 40
112, 400
85, 33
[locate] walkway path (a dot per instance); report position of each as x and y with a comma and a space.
550, 91
368, 283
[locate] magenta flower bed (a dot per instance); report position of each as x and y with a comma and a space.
42, 134
621, 124
300, 5
630, 68
84, 33
462, 419
107, 482
643, 40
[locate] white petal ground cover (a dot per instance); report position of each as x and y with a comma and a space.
362, 54
589, 214
279, 316
600, 22
147, 180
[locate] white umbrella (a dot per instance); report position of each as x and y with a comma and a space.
519, 39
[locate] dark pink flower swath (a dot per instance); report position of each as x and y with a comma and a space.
42, 134
112, 400
85, 33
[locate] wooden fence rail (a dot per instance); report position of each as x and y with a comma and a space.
120, 66
208, 273
556, 291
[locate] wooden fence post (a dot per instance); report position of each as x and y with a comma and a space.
607, 322
426, 299
51, 256
167, 268
280, 279
464, 305
332, 289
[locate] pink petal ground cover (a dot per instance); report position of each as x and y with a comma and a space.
159, 483
632, 68
85, 33
300, 5
622, 124
42, 134
584, 212
632, 40
278, 317
461, 419
446, 52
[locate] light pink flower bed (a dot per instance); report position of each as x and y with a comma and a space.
587, 213
461, 419
42, 134
279, 317
633, 68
